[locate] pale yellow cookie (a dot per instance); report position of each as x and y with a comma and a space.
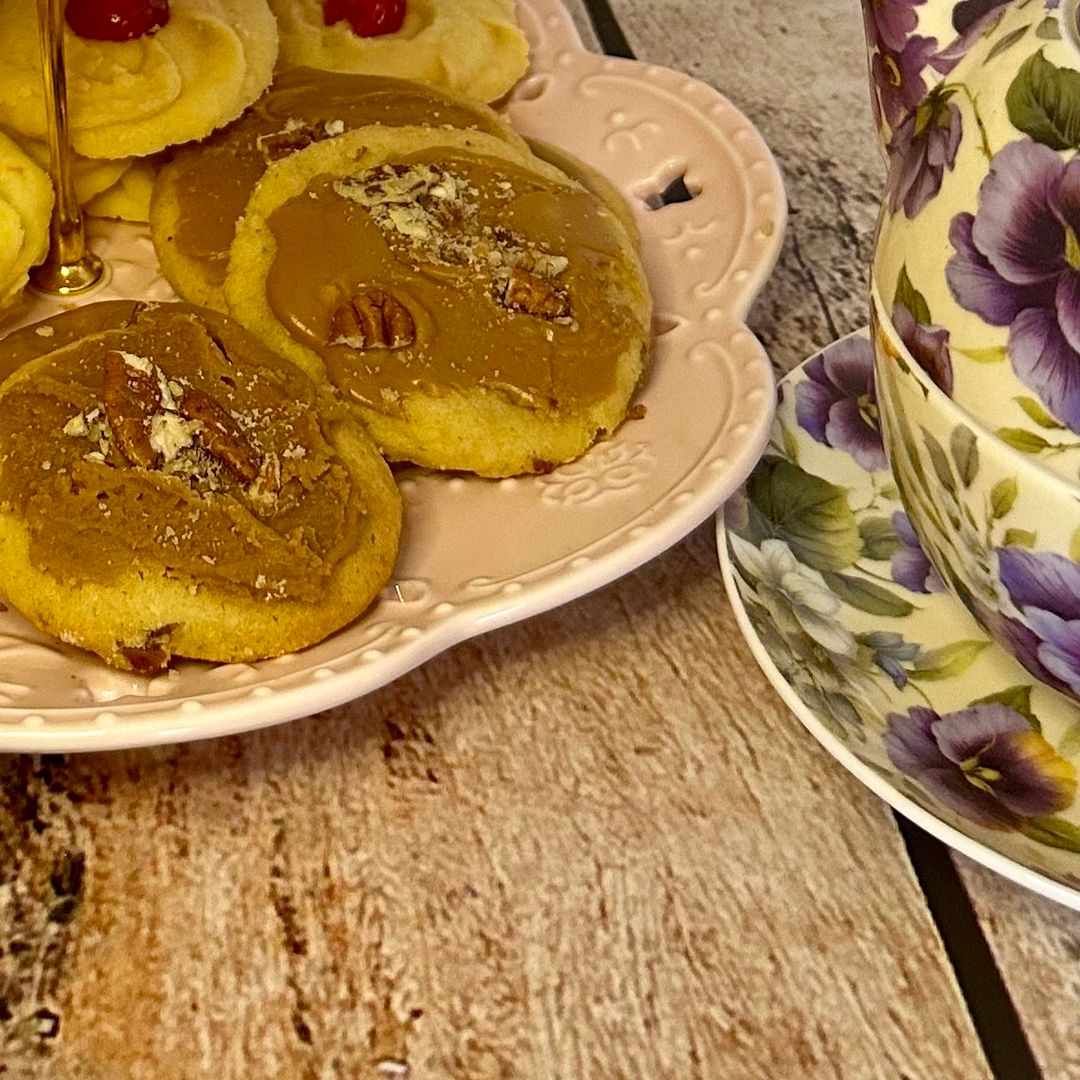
197, 72
26, 199
128, 197
480, 310
104, 187
169, 487
472, 46
203, 188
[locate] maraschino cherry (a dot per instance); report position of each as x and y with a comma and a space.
116, 20
368, 18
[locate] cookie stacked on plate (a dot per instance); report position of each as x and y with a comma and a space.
146, 77
379, 270
169, 486
480, 309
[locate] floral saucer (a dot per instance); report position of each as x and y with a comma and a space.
896, 680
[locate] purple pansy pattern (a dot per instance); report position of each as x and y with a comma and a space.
837, 405
846, 603
922, 148
985, 762
1017, 264
1045, 587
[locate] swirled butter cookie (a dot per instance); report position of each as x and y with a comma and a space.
168, 487
105, 187
202, 190
172, 83
26, 199
479, 309
474, 47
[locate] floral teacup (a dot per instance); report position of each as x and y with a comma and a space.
1003, 534
977, 260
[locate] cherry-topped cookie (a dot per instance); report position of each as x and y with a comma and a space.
141, 74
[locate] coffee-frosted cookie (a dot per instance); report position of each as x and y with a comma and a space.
169, 487
26, 199
472, 46
480, 310
180, 81
202, 190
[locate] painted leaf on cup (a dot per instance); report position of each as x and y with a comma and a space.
940, 462
1035, 411
965, 453
1044, 102
1052, 831
948, 661
1020, 538
1069, 745
1002, 496
811, 515
1017, 698
879, 538
911, 298
992, 354
1027, 442
1048, 29
1006, 42
868, 596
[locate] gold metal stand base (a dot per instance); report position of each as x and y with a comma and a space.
70, 268
68, 279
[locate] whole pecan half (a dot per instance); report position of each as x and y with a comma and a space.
372, 319
218, 434
131, 397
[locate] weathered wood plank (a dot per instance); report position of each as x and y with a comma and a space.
799, 74
594, 845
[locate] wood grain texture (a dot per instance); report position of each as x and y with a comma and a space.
798, 71
807, 70
1036, 944
595, 845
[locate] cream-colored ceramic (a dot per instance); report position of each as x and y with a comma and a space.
977, 260
479, 554
975, 303
849, 621
1003, 534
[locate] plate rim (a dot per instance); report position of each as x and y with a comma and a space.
144, 720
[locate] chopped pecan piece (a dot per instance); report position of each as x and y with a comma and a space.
147, 659
219, 434
131, 397
535, 295
152, 656
372, 319
283, 143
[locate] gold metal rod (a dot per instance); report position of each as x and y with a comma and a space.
70, 266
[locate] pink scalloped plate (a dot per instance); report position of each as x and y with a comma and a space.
480, 554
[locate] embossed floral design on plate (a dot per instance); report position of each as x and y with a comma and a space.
481, 554
851, 624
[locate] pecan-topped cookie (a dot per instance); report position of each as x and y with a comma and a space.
480, 310
203, 188
170, 487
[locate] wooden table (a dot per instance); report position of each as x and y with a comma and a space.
593, 845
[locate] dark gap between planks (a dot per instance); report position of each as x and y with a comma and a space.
997, 1025
993, 1015
612, 39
